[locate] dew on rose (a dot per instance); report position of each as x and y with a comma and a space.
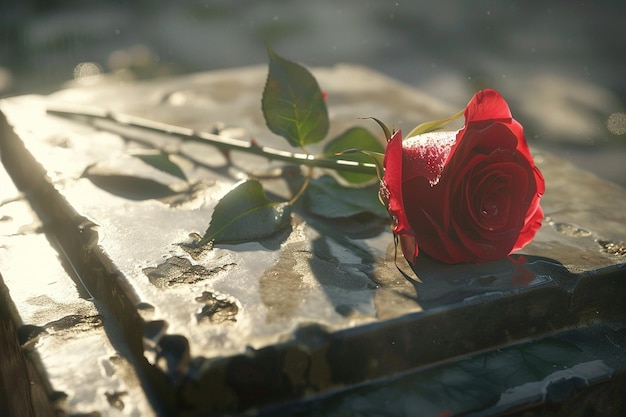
432, 147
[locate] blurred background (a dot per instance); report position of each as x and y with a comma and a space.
561, 65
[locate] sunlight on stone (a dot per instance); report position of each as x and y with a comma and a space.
31, 282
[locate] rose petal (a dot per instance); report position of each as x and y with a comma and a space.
420, 196
409, 247
541, 184
441, 246
532, 225
425, 155
487, 104
474, 139
503, 177
392, 183
491, 206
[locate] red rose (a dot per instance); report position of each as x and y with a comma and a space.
466, 196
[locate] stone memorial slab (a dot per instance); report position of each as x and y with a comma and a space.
58, 330
316, 309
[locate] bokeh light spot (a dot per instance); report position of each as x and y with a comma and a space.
616, 123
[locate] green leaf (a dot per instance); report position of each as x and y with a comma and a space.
293, 105
355, 144
246, 214
433, 125
325, 197
161, 161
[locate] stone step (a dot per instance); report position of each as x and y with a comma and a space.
318, 309
58, 347
559, 374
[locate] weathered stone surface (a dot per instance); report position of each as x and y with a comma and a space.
558, 375
319, 307
75, 364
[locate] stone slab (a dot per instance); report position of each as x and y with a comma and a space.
74, 365
319, 308
560, 374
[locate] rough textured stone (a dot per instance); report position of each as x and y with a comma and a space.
319, 307
75, 364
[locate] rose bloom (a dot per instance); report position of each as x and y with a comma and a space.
466, 196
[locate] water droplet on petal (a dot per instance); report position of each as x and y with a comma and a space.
428, 153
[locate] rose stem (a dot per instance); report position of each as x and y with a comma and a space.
93, 115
